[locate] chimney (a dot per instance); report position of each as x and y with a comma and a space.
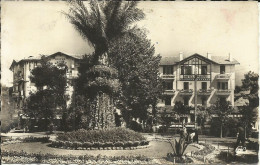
230, 58
209, 56
181, 56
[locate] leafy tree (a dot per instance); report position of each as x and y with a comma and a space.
50, 97
138, 68
250, 82
203, 115
181, 109
105, 25
222, 108
250, 112
238, 89
8, 113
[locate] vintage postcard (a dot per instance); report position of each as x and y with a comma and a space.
127, 82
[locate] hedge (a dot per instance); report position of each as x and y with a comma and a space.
107, 135
99, 145
26, 158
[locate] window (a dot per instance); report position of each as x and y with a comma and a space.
186, 85
168, 100
168, 69
168, 85
223, 85
204, 101
204, 69
222, 69
186, 100
186, 70
204, 85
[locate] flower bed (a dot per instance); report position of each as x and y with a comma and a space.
44, 139
23, 157
100, 145
116, 138
204, 152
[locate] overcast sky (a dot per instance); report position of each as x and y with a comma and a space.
33, 28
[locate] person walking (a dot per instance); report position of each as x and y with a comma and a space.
240, 138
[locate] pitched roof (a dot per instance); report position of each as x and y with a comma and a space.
172, 60
38, 57
169, 60
223, 60
63, 54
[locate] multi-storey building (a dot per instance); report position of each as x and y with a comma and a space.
22, 86
204, 79
208, 78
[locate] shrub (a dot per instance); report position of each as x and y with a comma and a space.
178, 147
36, 139
88, 145
116, 137
107, 135
10, 157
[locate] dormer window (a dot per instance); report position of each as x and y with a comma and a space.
167, 69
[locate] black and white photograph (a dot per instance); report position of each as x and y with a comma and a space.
129, 82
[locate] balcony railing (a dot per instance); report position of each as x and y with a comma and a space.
169, 92
204, 91
186, 91
15, 94
223, 76
223, 92
192, 77
167, 76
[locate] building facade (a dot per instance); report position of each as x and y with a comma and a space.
197, 79
22, 86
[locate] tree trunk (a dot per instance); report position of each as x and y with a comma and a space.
221, 128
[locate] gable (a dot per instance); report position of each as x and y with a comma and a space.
196, 59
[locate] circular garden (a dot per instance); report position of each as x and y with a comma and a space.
116, 138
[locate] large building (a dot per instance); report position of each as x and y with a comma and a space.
22, 86
208, 78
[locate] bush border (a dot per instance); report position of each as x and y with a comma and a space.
100, 145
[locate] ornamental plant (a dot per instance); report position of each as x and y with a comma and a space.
178, 147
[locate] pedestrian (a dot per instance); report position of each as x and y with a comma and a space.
240, 137
196, 136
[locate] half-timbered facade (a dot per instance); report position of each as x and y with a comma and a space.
197, 79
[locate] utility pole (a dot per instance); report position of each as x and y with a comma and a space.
195, 99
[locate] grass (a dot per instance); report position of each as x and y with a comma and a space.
156, 150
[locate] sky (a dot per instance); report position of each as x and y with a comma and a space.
220, 28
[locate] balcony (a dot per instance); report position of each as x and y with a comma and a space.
186, 92
169, 92
200, 77
223, 92
15, 94
204, 92
167, 76
223, 76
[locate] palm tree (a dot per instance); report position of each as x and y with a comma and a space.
100, 23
